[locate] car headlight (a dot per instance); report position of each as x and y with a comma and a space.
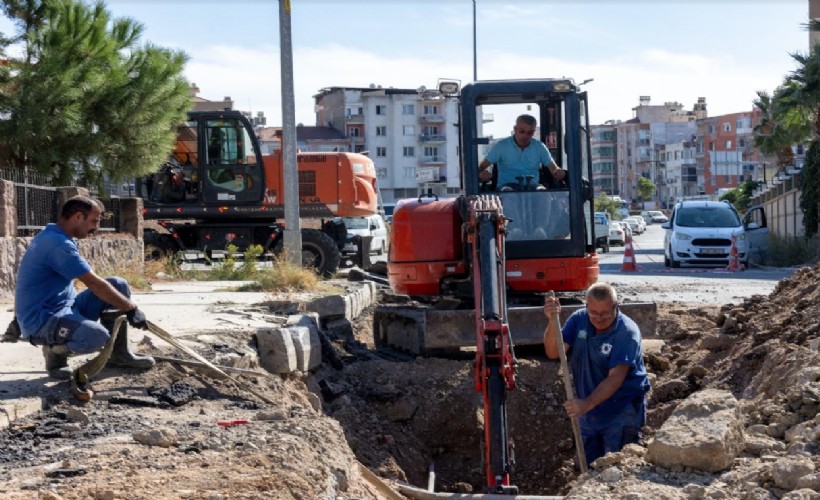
740, 237
682, 236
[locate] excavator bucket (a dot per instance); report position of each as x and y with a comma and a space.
420, 331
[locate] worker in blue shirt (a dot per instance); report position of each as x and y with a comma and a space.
49, 310
517, 157
606, 361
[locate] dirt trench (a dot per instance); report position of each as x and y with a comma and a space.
396, 414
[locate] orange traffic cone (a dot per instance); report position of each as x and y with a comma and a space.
734, 260
629, 257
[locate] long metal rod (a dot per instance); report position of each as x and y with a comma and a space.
475, 51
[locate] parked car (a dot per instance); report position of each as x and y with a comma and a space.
657, 217
641, 220
635, 224
601, 231
617, 235
627, 229
372, 226
700, 232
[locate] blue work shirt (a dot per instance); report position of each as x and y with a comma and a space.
593, 354
45, 280
512, 161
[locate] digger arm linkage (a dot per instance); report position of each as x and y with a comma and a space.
485, 231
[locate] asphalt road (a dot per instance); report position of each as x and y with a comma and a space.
689, 284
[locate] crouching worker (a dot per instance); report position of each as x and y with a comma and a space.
49, 310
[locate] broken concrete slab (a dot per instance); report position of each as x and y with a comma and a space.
277, 353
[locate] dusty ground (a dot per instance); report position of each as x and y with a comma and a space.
398, 415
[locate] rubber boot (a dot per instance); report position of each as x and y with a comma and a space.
57, 361
121, 355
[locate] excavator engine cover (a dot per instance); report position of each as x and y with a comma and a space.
426, 245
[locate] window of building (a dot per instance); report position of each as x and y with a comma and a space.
408, 109
409, 151
354, 111
381, 151
430, 109
408, 130
727, 127
728, 144
381, 172
354, 132
710, 129
711, 146
453, 190
381, 109
409, 172
431, 130
381, 130
741, 143
430, 152
358, 148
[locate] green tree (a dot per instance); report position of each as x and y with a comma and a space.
741, 196
646, 189
86, 99
604, 204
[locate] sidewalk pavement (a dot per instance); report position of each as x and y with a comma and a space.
181, 308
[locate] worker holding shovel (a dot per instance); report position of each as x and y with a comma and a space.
606, 363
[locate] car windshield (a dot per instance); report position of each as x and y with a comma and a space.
355, 223
708, 216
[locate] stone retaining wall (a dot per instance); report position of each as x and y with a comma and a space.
106, 254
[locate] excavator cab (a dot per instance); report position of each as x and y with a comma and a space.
549, 245
215, 162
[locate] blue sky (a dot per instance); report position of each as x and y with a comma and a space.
723, 50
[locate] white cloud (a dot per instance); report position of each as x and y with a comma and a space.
251, 76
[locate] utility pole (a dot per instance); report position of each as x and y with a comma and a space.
293, 234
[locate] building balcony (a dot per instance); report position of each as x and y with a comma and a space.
431, 118
356, 139
354, 119
428, 139
432, 160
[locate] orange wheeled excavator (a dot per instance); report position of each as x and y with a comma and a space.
218, 188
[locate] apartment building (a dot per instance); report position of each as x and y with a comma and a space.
410, 135
604, 140
637, 142
725, 151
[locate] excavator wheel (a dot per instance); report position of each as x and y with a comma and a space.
319, 252
158, 246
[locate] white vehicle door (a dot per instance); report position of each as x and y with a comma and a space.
757, 232
379, 232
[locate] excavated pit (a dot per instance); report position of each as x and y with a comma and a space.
400, 418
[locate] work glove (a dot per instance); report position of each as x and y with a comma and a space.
136, 318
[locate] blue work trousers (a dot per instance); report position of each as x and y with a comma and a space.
604, 435
80, 329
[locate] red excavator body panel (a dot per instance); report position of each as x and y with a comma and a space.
426, 246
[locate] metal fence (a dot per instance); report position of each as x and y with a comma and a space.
36, 202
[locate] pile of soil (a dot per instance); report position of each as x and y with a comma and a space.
399, 416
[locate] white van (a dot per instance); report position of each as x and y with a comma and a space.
372, 226
700, 232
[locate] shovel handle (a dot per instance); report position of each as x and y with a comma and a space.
555, 331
